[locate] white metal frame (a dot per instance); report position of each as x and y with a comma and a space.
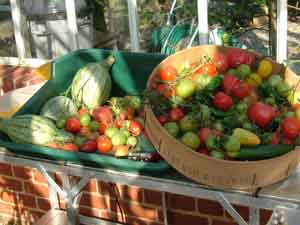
281, 54
287, 210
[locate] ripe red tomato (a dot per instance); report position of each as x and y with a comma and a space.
176, 114
249, 58
242, 90
222, 101
69, 147
103, 114
118, 122
165, 90
290, 127
102, 128
83, 111
288, 141
275, 138
89, 146
167, 73
73, 125
236, 57
163, 119
209, 69
203, 151
229, 83
221, 62
104, 144
129, 112
204, 133
135, 128
261, 114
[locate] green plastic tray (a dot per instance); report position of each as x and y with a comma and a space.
129, 74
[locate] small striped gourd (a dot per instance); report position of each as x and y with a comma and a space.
33, 129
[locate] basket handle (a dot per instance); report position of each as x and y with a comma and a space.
171, 12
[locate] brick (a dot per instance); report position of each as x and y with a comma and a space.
5, 169
210, 207
8, 197
36, 189
130, 193
22, 172
44, 204
18, 72
181, 202
111, 216
134, 209
135, 221
265, 216
27, 200
93, 201
242, 210
152, 197
6, 209
176, 218
91, 186
222, 222
106, 189
39, 177
7, 84
4, 70
58, 179
91, 212
11, 184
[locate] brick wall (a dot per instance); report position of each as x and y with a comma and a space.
12, 77
24, 193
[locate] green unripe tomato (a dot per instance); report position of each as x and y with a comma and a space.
248, 126
283, 89
270, 101
232, 144
111, 131
79, 140
288, 114
274, 80
185, 88
217, 154
188, 123
85, 119
125, 132
241, 107
191, 140
212, 143
233, 72
118, 139
94, 126
132, 141
172, 128
218, 126
244, 71
60, 123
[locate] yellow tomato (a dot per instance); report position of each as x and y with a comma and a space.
254, 80
264, 68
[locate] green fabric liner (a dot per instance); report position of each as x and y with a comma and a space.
129, 74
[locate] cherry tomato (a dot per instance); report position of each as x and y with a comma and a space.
102, 128
209, 69
265, 68
165, 90
85, 131
221, 62
287, 141
290, 127
236, 57
69, 147
103, 114
222, 101
203, 151
118, 122
242, 90
167, 73
275, 138
104, 144
85, 119
204, 133
135, 128
261, 114
129, 113
83, 111
89, 146
229, 83
191, 140
163, 119
73, 125
185, 88
176, 114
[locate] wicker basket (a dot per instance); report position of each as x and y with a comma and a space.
205, 169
